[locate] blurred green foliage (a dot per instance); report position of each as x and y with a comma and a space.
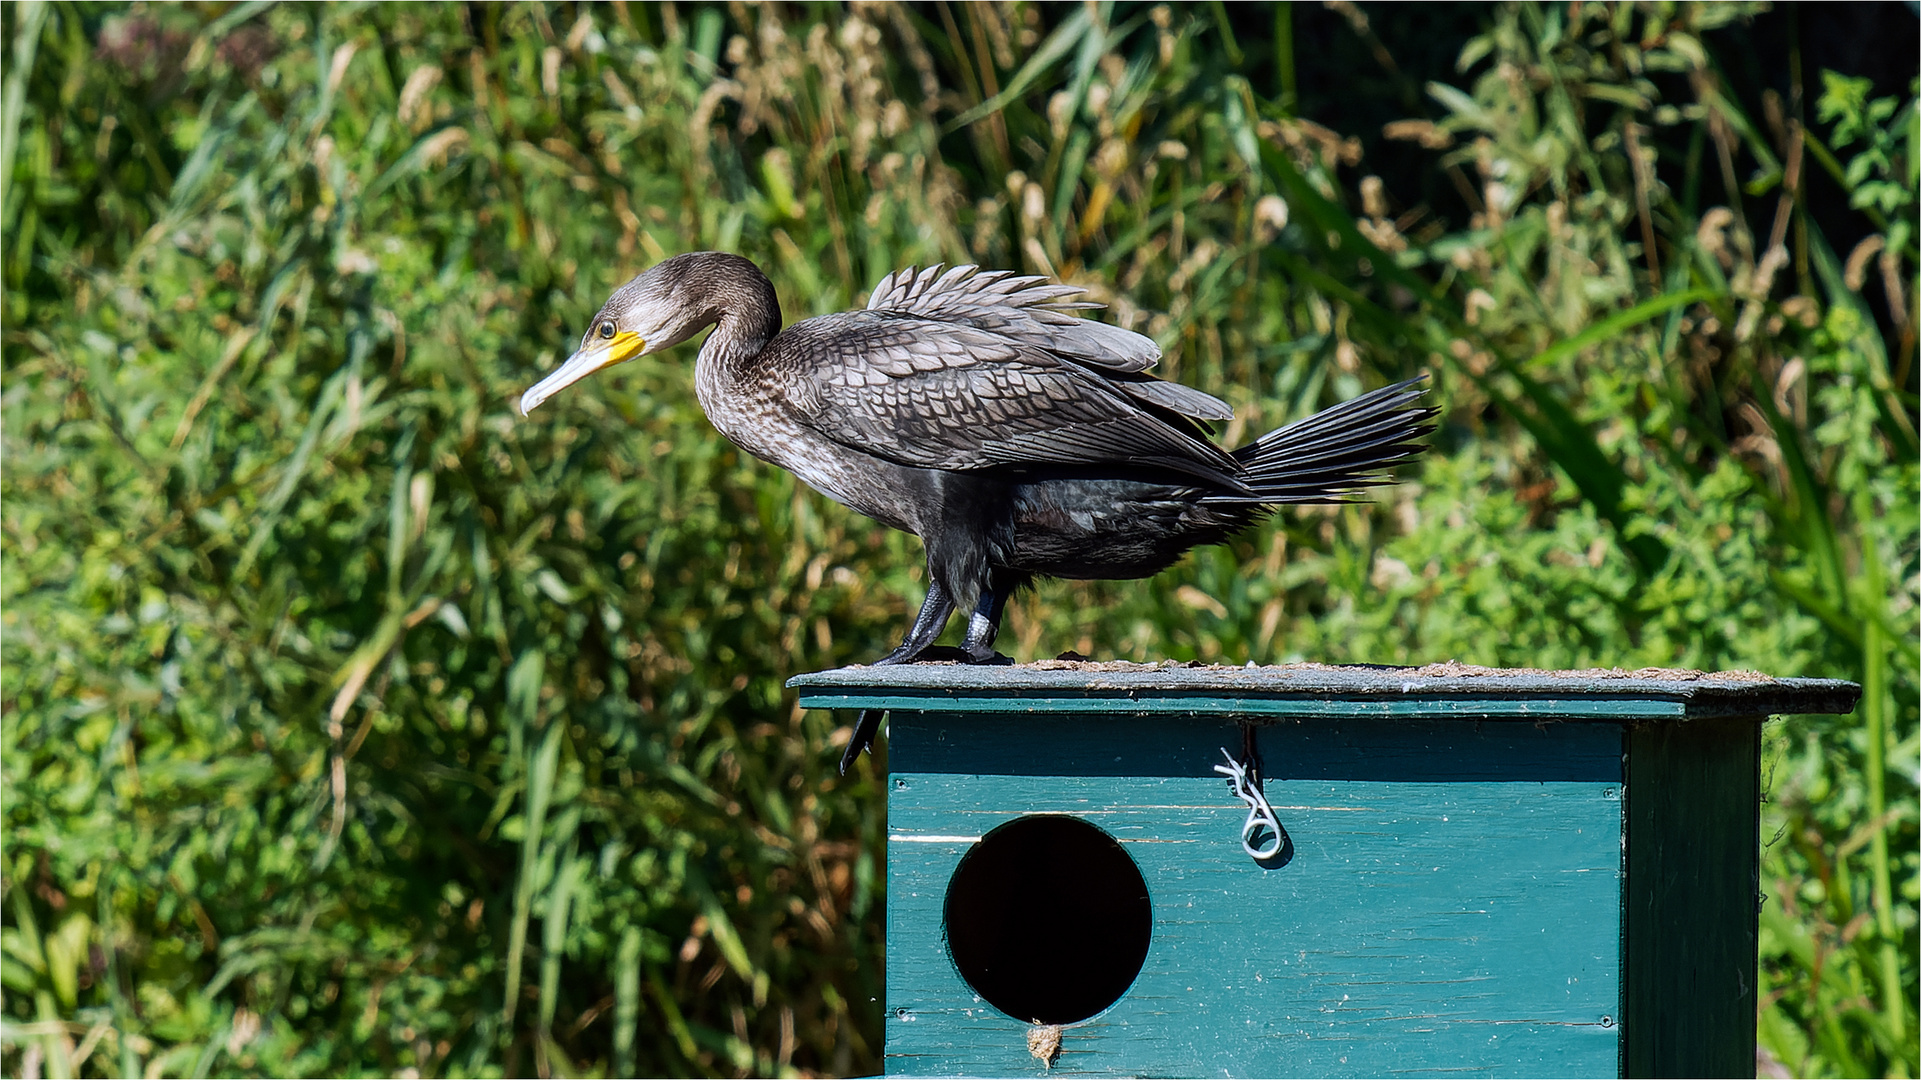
353, 725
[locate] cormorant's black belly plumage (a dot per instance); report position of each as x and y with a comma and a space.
1109, 529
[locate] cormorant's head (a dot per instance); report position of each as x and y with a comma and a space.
658, 309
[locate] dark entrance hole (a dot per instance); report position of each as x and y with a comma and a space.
1048, 919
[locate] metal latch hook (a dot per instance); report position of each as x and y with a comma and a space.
1260, 816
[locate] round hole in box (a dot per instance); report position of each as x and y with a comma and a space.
1048, 919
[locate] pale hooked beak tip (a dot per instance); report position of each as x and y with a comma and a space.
624, 346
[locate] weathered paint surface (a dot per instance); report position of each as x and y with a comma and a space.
1353, 748
1692, 899
1319, 690
1263, 707
1423, 925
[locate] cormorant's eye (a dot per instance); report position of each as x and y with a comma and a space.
607, 330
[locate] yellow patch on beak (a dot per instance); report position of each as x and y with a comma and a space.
620, 348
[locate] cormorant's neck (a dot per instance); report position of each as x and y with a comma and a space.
747, 314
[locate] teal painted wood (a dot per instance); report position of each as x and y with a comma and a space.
1470, 891
1354, 748
1421, 928
1692, 898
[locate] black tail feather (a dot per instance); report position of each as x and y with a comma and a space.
1336, 453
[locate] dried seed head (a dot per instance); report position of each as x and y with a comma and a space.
1060, 110
1347, 357
1270, 217
1802, 310
1856, 272
1477, 301
1424, 132
413, 97
1033, 204
1373, 197
1097, 96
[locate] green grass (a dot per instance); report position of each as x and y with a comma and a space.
353, 724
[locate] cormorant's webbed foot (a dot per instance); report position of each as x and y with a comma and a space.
957, 654
978, 648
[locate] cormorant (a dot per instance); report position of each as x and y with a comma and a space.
977, 410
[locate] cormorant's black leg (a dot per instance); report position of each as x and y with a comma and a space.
985, 622
934, 613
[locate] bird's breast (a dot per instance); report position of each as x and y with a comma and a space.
757, 419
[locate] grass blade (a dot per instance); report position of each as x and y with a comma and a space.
1063, 40
553, 937
30, 16
1618, 323
626, 999
540, 788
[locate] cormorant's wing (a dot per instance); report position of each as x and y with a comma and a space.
1032, 311
940, 395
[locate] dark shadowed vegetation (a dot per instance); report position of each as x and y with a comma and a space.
354, 725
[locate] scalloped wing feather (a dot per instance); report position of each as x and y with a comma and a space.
948, 396
1021, 307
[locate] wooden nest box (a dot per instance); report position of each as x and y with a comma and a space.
1471, 871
